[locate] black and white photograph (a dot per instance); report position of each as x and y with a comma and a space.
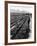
21, 22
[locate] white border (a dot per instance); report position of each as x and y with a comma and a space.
20, 40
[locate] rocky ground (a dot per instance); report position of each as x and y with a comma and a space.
19, 25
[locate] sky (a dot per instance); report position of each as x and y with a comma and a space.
20, 7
